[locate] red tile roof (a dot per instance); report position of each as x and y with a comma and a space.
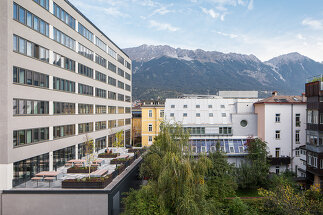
277, 99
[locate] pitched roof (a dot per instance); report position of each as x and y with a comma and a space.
282, 100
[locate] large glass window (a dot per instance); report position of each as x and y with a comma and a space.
100, 93
64, 131
112, 95
112, 67
43, 3
128, 76
120, 59
69, 64
112, 109
30, 107
112, 53
62, 15
85, 32
85, 52
100, 109
85, 89
100, 76
112, 81
64, 108
120, 72
85, 127
100, 125
100, 60
85, 108
63, 39
100, 44
60, 157
23, 76
63, 85
24, 137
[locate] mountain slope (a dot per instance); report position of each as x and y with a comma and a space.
166, 72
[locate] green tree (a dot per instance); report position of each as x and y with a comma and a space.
254, 172
89, 155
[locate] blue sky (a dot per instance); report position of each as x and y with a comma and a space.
265, 28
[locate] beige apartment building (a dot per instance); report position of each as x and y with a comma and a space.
61, 79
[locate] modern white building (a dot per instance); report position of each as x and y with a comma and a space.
282, 124
230, 120
62, 78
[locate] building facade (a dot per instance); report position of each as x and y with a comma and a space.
281, 123
152, 113
62, 79
136, 126
314, 131
229, 120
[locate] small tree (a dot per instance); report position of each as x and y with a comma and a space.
89, 152
118, 143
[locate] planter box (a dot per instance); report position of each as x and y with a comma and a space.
81, 170
108, 155
116, 161
86, 184
133, 150
121, 169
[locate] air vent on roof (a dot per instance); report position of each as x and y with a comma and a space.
283, 100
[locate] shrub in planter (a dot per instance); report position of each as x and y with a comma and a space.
76, 169
118, 161
108, 155
88, 183
133, 150
120, 168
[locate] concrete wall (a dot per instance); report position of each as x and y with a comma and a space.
54, 204
249, 130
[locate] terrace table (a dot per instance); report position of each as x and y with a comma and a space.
73, 162
48, 174
99, 162
122, 156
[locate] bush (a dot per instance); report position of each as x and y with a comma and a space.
238, 207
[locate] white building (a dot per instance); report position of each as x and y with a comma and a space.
62, 78
230, 120
282, 124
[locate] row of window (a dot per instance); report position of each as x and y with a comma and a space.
64, 108
64, 131
71, 22
297, 119
29, 19
30, 49
196, 106
63, 85
100, 93
63, 15
198, 114
30, 107
28, 77
161, 113
63, 39
85, 89
84, 70
100, 125
297, 135
28, 136
88, 53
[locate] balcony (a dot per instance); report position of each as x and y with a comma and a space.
314, 148
279, 161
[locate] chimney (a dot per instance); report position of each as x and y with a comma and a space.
275, 93
303, 97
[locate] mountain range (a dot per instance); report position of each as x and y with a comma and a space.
164, 72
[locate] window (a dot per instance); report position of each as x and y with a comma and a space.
194, 149
127, 76
224, 114
315, 162
57, 59
85, 32
63, 39
63, 131
277, 152
225, 130
100, 109
62, 15
120, 97
43, 3
222, 149
298, 120
112, 53
100, 44
161, 113
30, 107
69, 64
112, 109
100, 93
30, 49
321, 164
112, 67
213, 149
112, 95
128, 121
277, 170
309, 116
171, 114
231, 149
150, 113
203, 149
100, 76
297, 136
172, 106
64, 108
241, 149
120, 85
297, 153
198, 106
150, 138
120, 72
127, 99
85, 89
127, 110
120, 59
277, 135
82, 50
315, 116
210, 114
28, 77
222, 106
277, 117
198, 115
128, 88
243, 123
85, 127
128, 65
184, 114
28, 136
120, 122
63, 85
100, 60
120, 110
321, 118
112, 123
210, 106
85, 108
150, 127
29, 19
112, 81
100, 125
185, 106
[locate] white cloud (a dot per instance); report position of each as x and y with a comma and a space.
250, 5
221, 8
162, 26
211, 12
225, 2
312, 23
114, 12
300, 36
232, 36
241, 2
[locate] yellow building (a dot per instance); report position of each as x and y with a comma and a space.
152, 114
